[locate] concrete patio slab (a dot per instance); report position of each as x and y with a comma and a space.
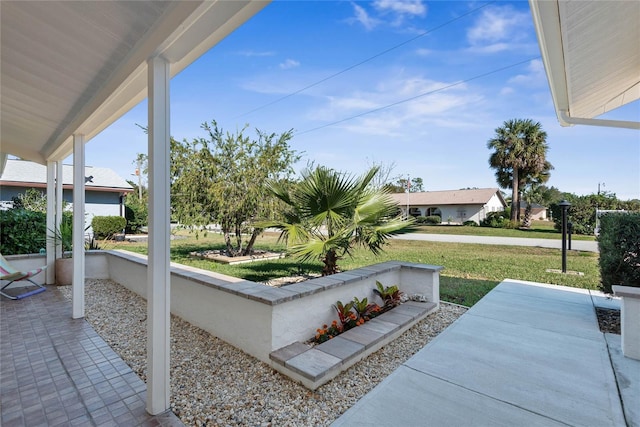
411, 398
526, 354
627, 373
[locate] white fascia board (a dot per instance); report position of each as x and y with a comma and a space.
546, 19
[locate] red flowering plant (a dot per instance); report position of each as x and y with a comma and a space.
327, 332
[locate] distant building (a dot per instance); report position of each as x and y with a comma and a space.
104, 189
538, 212
454, 206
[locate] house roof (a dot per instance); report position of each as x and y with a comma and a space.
591, 53
23, 173
76, 67
479, 196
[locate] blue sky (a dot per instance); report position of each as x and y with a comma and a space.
477, 71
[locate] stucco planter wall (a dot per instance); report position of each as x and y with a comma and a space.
253, 317
260, 319
629, 320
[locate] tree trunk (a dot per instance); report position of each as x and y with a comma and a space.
514, 195
330, 263
227, 241
526, 222
252, 241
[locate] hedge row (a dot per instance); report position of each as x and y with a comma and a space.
619, 243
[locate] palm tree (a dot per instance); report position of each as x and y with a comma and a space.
330, 213
519, 157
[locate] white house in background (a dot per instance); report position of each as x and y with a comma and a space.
454, 206
104, 189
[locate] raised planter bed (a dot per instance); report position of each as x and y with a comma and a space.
315, 366
223, 259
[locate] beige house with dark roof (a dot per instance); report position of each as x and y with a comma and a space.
454, 206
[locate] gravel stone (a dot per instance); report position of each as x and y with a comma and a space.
216, 384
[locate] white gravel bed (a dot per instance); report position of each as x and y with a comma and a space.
214, 383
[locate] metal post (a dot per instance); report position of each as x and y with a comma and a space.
570, 231
564, 205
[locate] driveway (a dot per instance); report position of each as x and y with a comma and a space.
580, 245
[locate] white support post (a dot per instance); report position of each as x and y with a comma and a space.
50, 275
158, 277
58, 218
78, 226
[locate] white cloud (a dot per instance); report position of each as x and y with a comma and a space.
423, 52
363, 17
535, 75
289, 63
497, 28
403, 118
396, 12
401, 7
251, 53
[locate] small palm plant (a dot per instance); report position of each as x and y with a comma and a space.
330, 213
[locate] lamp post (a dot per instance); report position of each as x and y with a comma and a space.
565, 206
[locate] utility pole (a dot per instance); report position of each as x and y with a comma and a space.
408, 191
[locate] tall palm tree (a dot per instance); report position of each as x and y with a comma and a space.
330, 213
519, 157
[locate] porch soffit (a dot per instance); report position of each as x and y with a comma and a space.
76, 67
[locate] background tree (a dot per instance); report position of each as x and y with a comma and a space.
222, 179
330, 213
384, 175
519, 158
400, 185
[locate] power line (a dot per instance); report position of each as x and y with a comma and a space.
365, 60
418, 96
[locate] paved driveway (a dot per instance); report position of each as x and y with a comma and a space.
580, 245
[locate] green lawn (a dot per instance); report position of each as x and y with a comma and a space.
470, 270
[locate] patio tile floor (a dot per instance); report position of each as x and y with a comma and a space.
56, 371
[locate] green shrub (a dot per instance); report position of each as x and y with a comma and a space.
22, 231
136, 216
495, 220
106, 226
619, 244
421, 220
433, 219
470, 223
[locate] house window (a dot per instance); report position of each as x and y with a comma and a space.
434, 212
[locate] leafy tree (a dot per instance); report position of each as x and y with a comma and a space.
416, 185
582, 212
222, 179
330, 213
519, 158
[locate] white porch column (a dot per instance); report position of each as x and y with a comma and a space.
50, 275
78, 226
158, 277
58, 218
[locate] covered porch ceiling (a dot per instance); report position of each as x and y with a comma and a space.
76, 67
591, 53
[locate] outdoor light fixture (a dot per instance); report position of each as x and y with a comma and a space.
565, 207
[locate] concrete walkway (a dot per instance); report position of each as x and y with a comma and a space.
527, 354
579, 245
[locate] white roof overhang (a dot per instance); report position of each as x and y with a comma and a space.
591, 53
76, 67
